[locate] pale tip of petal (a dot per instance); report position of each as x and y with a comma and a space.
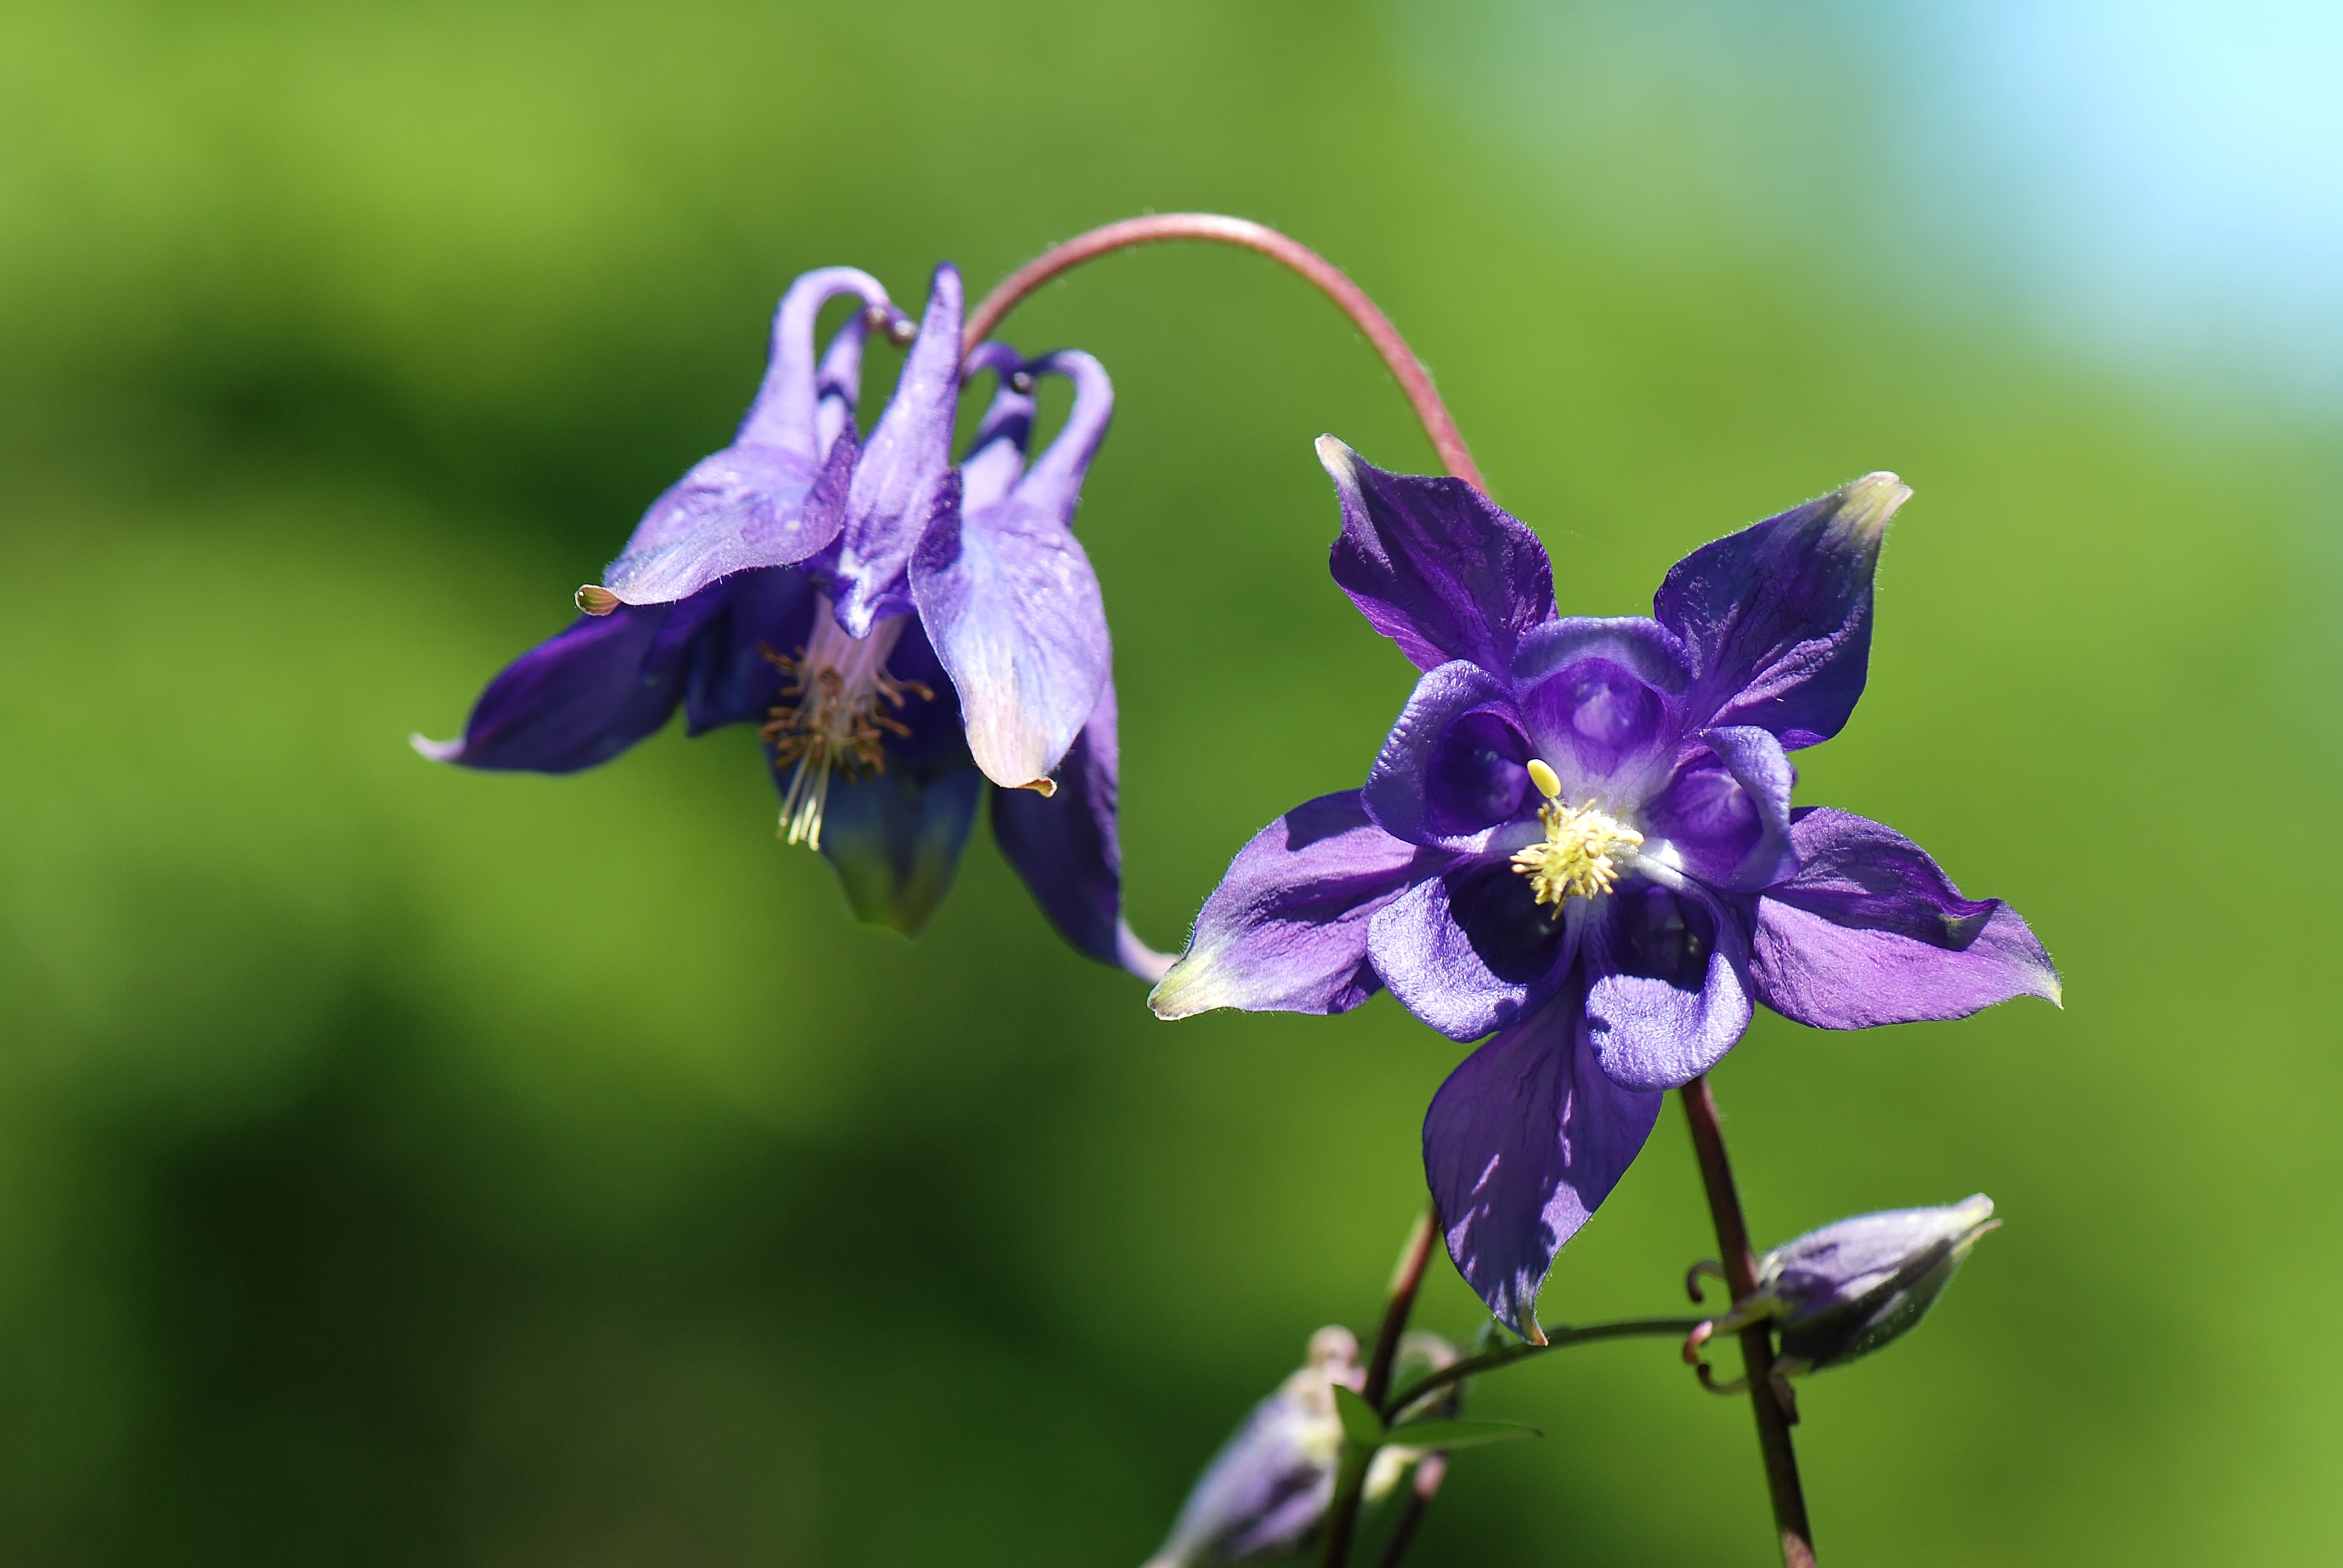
1866, 504
1045, 787
436, 750
1340, 460
596, 599
1532, 1333
1185, 989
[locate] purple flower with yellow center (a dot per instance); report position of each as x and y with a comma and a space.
1578, 841
901, 631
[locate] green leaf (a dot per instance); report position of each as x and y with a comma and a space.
1361, 1425
1456, 1433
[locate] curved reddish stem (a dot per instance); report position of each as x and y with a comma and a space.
1414, 381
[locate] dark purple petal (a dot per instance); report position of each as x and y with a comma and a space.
1669, 990
1066, 849
1470, 949
903, 478
895, 841
1434, 565
732, 681
576, 699
1009, 597
760, 501
1286, 930
1871, 932
1521, 1146
1449, 745
1760, 767
1778, 616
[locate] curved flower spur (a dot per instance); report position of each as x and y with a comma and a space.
1578, 840
899, 629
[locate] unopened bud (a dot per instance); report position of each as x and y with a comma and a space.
1845, 1290
1272, 1482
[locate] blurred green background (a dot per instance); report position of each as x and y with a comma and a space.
400, 1165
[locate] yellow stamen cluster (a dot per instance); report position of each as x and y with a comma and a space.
1584, 849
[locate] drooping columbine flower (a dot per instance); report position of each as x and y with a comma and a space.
1579, 837
1848, 1288
898, 629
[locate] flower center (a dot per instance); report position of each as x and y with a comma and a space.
1584, 849
831, 717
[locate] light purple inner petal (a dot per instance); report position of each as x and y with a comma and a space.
1670, 990
1522, 1144
1708, 816
1475, 779
1412, 789
1470, 949
1599, 727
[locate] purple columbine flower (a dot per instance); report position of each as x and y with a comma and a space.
901, 629
1578, 840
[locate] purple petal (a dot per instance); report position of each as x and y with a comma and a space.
1871, 931
1470, 949
1066, 849
1286, 930
895, 838
895, 841
903, 478
997, 456
761, 501
732, 680
1012, 604
1434, 565
1603, 701
1670, 993
1450, 770
1521, 1146
1778, 616
576, 699
1760, 767
785, 414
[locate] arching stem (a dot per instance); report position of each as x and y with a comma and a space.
1414, 381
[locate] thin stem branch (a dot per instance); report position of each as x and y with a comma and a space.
1414, 381
1757, 1339
1555, 1338
1430, 1471
1342, 1513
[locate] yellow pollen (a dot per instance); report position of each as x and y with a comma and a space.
1584, 849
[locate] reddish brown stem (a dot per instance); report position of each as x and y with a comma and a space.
1757, 1339
1430, 1471
1414, 381
1343, 1516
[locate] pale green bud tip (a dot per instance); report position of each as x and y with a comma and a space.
594, 599
1866, 505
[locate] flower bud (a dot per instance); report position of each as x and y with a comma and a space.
1847, 1289
1273, 1480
